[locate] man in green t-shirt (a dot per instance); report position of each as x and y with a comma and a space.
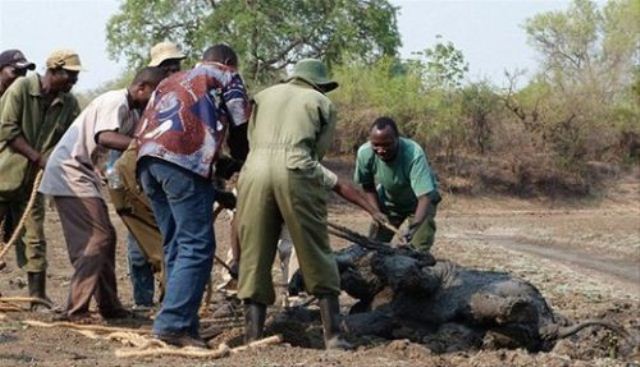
395, 175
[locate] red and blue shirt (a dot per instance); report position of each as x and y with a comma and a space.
187, 119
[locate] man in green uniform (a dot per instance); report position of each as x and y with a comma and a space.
282, 181
34, 114
396, 177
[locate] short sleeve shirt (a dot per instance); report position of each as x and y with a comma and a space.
71, 168
400, 182
187, 120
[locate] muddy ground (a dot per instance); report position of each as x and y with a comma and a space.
583, 255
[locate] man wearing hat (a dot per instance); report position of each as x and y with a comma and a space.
13, 64
35, 111
283, 182
144, 242
167, 56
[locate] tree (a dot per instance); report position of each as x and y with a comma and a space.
268, 35
589, 47
589, 54
444, 65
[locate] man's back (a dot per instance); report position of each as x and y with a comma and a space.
185, 123
294, 118
71, 166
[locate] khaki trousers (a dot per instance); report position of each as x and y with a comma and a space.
268, 195
134, 208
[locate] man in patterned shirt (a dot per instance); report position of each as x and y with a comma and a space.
180, 138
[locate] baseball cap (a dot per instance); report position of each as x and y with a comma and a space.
164, 51
65, 59
16, 59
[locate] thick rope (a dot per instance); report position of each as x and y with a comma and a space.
144, 346
18, 228
222, 351
71, 325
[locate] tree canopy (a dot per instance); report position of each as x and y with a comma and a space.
268, 35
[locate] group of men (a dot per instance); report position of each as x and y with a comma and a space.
161, 143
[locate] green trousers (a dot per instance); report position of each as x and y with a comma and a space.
422, 239
268, 195
31, 246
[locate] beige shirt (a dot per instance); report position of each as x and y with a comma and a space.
71, 168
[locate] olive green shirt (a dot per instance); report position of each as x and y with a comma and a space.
298, 119
23, 111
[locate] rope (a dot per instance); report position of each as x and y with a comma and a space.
222, 351
20, 225
144, 346
71, 325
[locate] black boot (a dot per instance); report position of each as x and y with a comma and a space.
330, 314
37, 288
254, 316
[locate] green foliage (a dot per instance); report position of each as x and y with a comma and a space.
589, 56
445, 66
478, 102
268, 35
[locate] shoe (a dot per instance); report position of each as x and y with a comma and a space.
142, 309
121, 314
37, 289
254, 316
181, 340
83, 318
330, 314
211, 332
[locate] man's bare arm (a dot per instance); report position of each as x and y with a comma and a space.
114, 140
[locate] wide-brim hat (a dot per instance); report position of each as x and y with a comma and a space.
65, 59
315, 72
165, 51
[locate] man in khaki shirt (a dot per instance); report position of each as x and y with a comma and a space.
34, 113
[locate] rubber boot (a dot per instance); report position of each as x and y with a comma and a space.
330, 314
37, 288
254, 316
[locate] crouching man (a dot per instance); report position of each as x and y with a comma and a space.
107, 123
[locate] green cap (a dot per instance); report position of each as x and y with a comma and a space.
313, 71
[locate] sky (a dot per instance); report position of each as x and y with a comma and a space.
489, 33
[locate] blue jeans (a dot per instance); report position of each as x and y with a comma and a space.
141, 274
182, 203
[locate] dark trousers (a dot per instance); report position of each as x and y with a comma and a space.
91, 243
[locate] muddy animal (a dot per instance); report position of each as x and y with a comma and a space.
403, 291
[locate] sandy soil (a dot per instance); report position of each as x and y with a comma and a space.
584, 256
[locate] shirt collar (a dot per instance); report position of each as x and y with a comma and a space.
35, 89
